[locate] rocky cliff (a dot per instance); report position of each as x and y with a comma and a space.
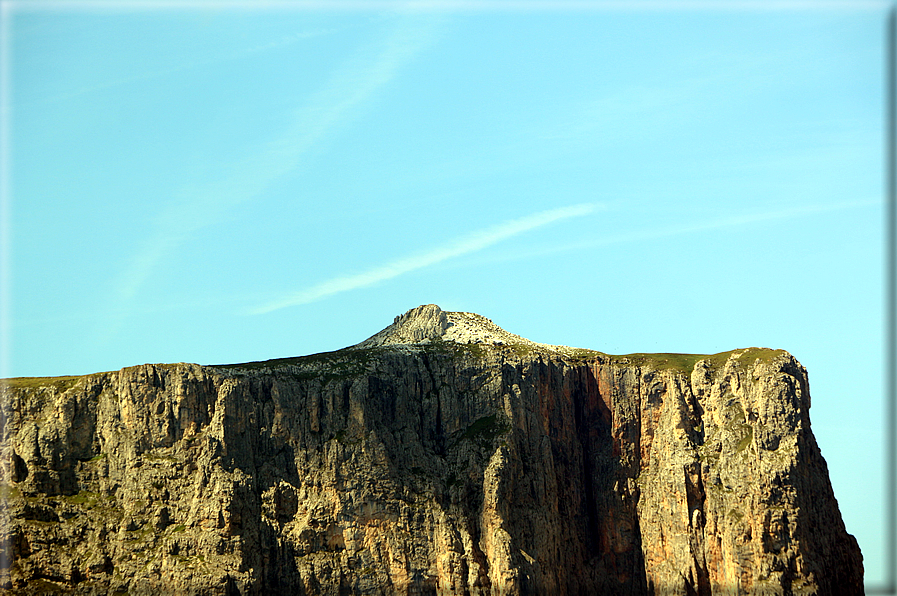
441, 456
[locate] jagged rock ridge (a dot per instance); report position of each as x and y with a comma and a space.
441, 456
427, 323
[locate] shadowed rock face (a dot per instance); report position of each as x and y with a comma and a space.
441, 456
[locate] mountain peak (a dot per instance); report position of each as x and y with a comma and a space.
424, 323
428, 322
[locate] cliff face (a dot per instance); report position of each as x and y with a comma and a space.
442, 456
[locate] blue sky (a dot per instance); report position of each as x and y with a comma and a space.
223, 183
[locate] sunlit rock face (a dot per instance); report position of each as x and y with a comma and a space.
443, 455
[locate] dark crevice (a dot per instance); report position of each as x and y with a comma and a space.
593, 525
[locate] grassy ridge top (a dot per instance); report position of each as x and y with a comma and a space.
685, 363
60, 383
348, 360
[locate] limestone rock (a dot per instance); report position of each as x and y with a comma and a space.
443, 455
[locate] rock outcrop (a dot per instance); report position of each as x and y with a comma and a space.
441, 456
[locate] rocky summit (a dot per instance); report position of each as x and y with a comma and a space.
443, 455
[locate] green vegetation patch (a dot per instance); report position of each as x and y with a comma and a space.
43, 586
746, 438
452, 348
159, 365
338, 358
351, 361
685, 363
94, 503
40, 522
9, 491
584, 355
141, 534
193, 438
764, 355
327, 366
61, 384
738, 426
484, 430
85, 499
522, 350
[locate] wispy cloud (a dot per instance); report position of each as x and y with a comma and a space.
468, 244
729, 222
710, 225
336, 104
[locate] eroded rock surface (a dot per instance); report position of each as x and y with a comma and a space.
441, 456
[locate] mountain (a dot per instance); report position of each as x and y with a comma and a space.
443, 455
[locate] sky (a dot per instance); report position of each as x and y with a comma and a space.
222, 182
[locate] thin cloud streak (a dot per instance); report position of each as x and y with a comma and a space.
706, 226
738, 220
334, 105
340, 101
472, 243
